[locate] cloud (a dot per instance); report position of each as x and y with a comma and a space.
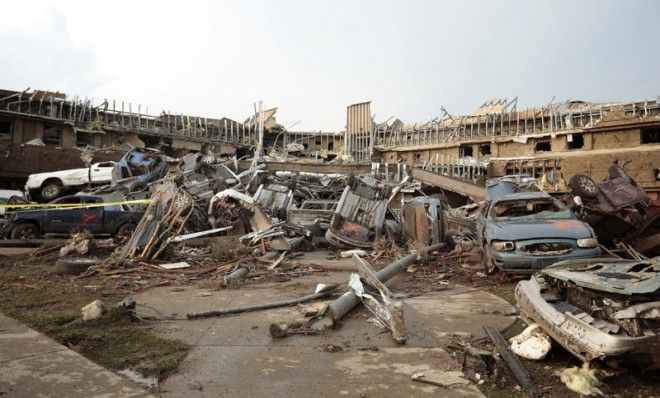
42, 55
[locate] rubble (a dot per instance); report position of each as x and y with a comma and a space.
79, 243
93, 310
531, 343
515, 366
443, 379
479, 365
582, 380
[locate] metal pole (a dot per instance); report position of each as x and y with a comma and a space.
341, 306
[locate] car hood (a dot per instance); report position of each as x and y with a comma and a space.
628, 277
537, 229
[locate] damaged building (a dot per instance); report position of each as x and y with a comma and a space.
551, 143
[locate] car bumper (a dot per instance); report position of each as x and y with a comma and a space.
520, 263
342, 241
581, 339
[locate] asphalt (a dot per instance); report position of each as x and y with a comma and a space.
235, 355
33, 365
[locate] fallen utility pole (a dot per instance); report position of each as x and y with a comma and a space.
341, 306
517, 368
246, 308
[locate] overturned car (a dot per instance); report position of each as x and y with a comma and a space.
598, 308
360, 214
614, 207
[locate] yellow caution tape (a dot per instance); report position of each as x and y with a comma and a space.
75, 205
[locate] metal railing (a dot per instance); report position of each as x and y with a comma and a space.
119, 115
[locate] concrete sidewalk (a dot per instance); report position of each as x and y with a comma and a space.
33, 365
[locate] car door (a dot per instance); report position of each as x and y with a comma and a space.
92, 217
60, 220
101, 173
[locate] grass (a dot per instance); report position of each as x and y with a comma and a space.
33, 294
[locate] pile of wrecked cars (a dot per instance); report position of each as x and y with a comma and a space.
597, 308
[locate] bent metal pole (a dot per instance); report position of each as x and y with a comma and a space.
341, 306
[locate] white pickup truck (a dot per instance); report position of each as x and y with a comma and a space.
48, 186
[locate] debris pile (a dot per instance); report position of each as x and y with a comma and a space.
205, 219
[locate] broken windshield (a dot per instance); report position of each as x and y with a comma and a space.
543, 209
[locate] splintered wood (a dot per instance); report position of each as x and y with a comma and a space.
166, 217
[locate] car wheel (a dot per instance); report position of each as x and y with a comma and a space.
125, 231
583, 185
24, 231
51, 190
75, 266
616, 171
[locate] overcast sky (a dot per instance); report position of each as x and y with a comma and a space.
312, 59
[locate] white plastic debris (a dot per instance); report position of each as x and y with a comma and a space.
532, 343
349, 253
93, 310
355, 283
321, 287
182, 264
581, 380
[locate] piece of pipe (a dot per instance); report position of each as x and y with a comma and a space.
258, 307
341, 306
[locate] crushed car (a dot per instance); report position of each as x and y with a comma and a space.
423, 220
313, 215
137, 168
614, 207
51, 185
68, 214
360, 215
525, 231
598, 308
10, 197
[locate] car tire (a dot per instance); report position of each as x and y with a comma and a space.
125, 230
51, 190
75, 265
616, 171
583, 186
25, 231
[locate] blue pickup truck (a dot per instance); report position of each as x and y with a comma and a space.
99, 220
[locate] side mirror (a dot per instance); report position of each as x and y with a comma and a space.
578, 201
